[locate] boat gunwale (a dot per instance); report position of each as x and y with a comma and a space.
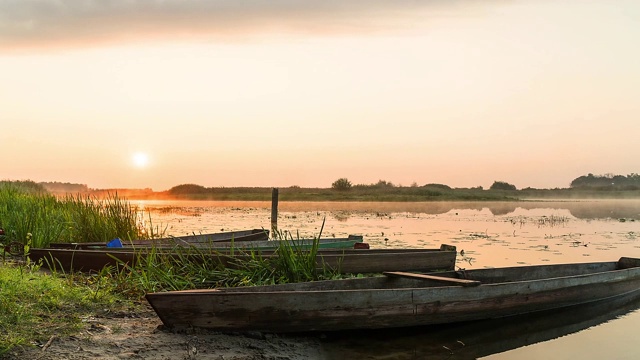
252, 290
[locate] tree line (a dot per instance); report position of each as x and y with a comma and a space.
607, 181
344, 184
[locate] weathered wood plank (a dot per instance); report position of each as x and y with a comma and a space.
451, 281
371, 261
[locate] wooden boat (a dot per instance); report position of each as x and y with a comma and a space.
236, 236
399, 299
221, 245
475, 339
343, 260
300, 244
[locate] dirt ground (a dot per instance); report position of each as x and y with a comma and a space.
141, 335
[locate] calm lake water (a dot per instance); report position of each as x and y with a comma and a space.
488, 234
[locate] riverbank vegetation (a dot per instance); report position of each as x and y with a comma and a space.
28, 211
387, 192
37, 306
342, 189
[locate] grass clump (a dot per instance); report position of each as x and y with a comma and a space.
34, 306
26, 209
184, 268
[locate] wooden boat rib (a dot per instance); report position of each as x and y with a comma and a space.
342, 260
222, 237
397, 301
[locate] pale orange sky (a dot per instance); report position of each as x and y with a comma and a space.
281, 93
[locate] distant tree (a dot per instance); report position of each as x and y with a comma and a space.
59, 187
438, 186
341, 184
378, 185
28, 186
501, 185
186, 189
607, 181
590, 180
383, 184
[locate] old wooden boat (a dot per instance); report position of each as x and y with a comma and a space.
301, 244
399, 299
342, 260
324, 243
475, 339
195, 239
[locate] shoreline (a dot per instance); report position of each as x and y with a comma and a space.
140, 335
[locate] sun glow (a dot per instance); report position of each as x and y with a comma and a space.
140, 160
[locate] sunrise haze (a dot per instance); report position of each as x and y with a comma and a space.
153, 94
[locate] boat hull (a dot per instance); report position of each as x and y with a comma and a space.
386, 302
342, 261
194, 240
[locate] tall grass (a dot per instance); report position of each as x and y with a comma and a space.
27, 212
297, 264
100, 220
183, 268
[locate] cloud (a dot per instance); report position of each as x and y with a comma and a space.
63, 23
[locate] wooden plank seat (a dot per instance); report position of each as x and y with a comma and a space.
451, 281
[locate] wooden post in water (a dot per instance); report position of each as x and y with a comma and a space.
274, 212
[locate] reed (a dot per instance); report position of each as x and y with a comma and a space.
100, 220
296, 263
27, 212
24, 211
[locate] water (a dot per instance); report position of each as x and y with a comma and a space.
487, 235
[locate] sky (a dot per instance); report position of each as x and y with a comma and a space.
154, 94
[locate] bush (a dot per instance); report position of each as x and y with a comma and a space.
187, 189
341, 184
438, 186
501, 185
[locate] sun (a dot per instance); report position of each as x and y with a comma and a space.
140, 160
